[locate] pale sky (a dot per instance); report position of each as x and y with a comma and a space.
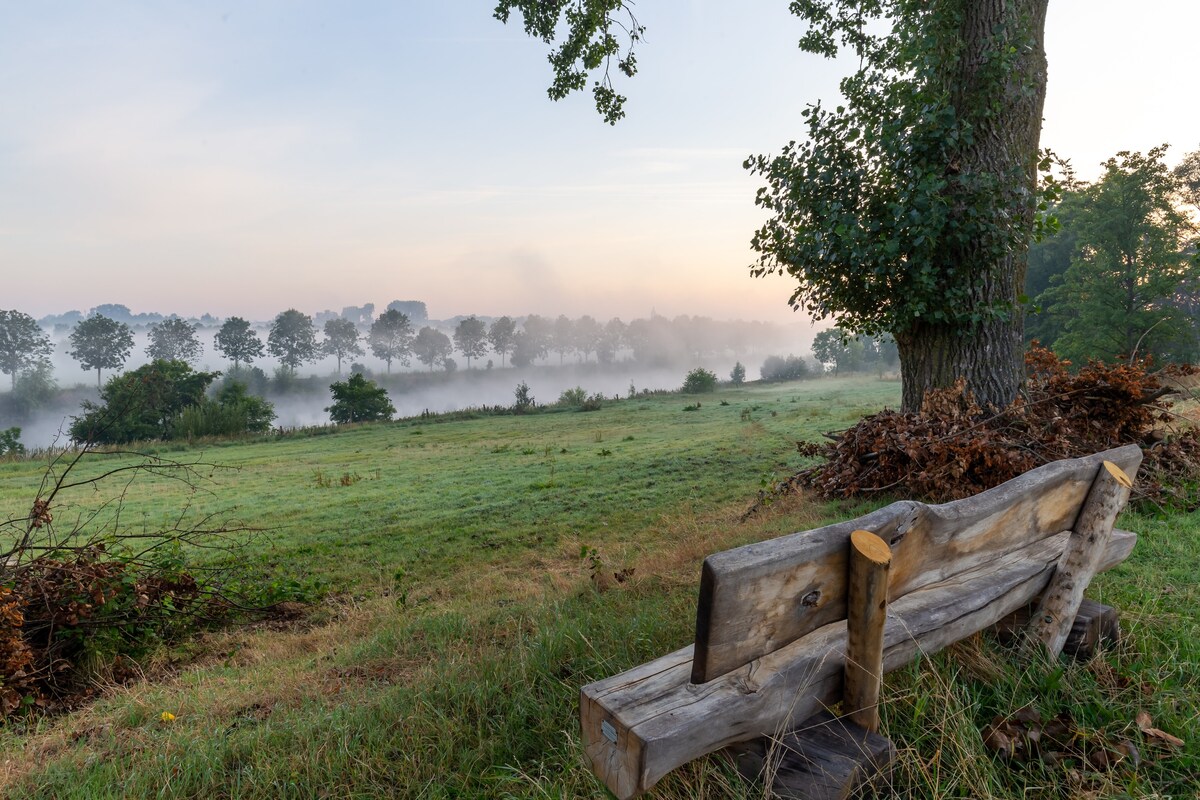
243, 158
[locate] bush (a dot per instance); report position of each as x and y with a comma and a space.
10, 442
359, 400
791, 368
232, 413
35, 388
700, 381
254, 379
737, 376
141, 404
571, 398
525, 401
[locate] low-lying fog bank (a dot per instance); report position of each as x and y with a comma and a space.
304, 400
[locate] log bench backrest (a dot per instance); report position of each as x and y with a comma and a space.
759, 598
771, 633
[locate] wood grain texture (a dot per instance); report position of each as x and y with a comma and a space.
1059, 605
866, 613
759, 598
825, 758
660, 720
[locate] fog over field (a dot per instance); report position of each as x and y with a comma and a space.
413, 389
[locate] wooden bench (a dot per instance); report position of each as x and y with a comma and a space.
771, 630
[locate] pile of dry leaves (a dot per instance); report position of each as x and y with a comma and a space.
952, 448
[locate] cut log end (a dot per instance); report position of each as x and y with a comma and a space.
871, 547
1118, 474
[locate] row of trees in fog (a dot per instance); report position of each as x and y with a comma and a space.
101, 343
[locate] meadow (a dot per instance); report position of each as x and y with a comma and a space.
474, 573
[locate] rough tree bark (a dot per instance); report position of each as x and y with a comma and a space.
1005, 146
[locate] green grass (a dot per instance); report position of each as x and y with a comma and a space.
461, 620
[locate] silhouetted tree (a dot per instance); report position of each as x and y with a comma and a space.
100, 343
341, 340
539, 331
586, 335
173, 339
23, 344
293, 339
391, 338
737, 376
501, 336
611, 340
431, 346
564, 337
470, 337
238, 342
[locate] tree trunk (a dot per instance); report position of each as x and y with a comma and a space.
1003, 148
988, 358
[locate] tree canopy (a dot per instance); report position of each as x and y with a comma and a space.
470, 337
1132, 286
431, 346
293, 339
238, 342
359, 400
100, 343
501, 334
173, 339
23, 343
391, 337
141, 404
341, 340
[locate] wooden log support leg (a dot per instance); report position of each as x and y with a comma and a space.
1055, 615
826, 758
1095, 626
866, 612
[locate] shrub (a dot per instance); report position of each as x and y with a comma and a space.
359, 400
592, 403
571, 398
792, 368
737, 376
10, 442
525, 401
141, 404
233, 412
700, 381
35, 388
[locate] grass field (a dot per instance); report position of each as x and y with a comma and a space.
461, 616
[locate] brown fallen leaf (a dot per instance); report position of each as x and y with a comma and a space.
1145, 725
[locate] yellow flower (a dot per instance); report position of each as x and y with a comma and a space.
167, 716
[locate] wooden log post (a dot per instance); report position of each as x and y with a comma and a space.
866, 613
1051, 622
